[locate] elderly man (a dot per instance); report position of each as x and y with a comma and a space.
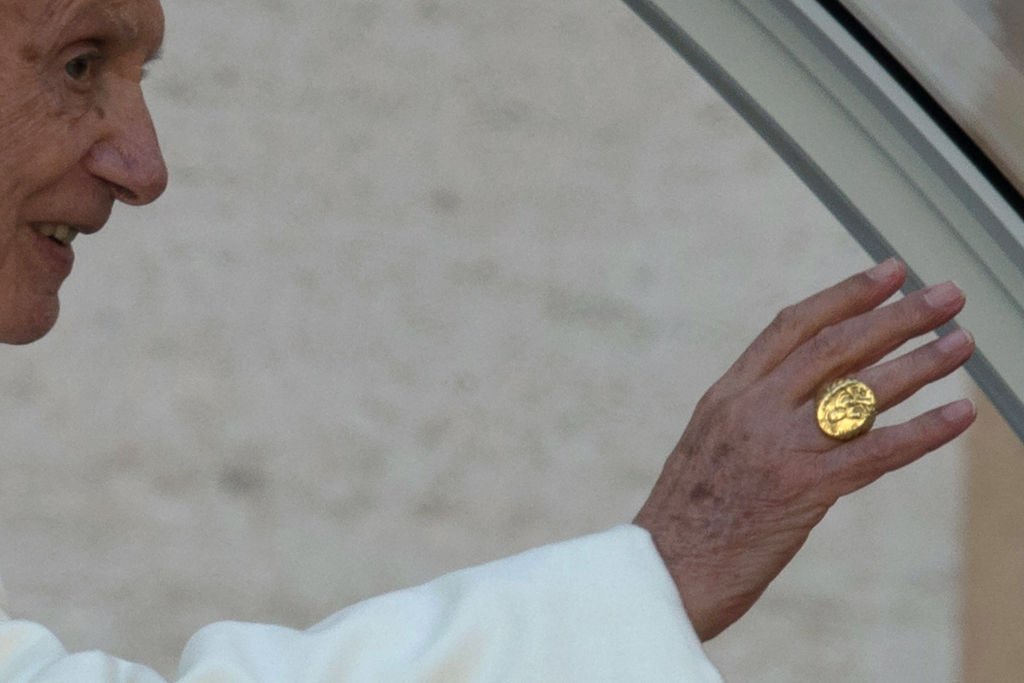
771, 446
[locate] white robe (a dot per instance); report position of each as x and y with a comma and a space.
598, 608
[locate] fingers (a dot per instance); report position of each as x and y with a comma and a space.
897, 380
796, 324
866, 458
858, 342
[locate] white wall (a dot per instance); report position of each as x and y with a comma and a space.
434, 282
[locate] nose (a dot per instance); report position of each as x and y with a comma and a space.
127, 157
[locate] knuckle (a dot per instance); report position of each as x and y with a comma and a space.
785, 320
708, 403
928, 363
925, 432
885, 444
920, 311
715, 410
825, 344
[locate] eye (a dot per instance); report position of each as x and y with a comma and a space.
81, 67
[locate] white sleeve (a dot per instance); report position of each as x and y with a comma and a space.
598, 608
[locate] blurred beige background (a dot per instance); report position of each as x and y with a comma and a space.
435, 281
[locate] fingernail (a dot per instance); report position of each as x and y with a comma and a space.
959, 411
954, 341
885, 270
940, 296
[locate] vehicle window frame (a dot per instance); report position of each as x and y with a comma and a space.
891, 172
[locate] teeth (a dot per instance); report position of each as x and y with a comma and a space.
59, 231
65, 234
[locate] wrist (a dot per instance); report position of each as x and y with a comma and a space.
698, 597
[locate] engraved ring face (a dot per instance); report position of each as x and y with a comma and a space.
846, 408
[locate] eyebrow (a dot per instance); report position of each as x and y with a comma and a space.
109, 19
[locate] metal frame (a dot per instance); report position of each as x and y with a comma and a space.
872, 154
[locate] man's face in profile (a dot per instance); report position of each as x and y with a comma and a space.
75, 135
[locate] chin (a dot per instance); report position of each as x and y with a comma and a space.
25, 327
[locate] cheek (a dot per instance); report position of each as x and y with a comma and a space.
40, 140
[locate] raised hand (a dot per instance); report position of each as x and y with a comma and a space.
754, 473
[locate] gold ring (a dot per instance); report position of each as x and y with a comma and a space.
846, 408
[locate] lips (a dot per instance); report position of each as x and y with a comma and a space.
59, 232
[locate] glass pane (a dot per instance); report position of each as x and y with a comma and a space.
970, 56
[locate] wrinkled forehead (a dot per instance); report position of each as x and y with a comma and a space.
129, 22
